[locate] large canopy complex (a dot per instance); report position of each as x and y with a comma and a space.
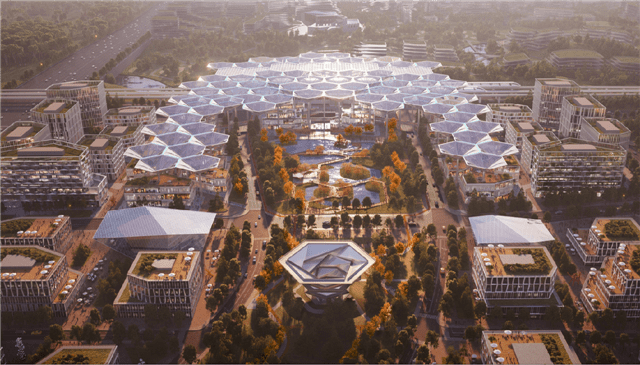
498, 229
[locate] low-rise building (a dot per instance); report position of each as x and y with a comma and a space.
547, 100
526, 347
445, 52
576, 59
49, 171
607, 130
626, 64
533, 39
414, 50
513, 278
509, 231
371, 49
170, 279
515, 59
574, 108
607, 32
106, 154
516, 132
92, 354
91, 96
159, 190
491, 184
33, 277
603, 238
506, 112
62, 116
51, 233
574, 164
616, 285
531, 148
24, 132
130, 116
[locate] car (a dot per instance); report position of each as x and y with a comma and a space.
256, 224
326, 224
264, 243
437, 205
245, 275
254, 259
442, 271
259, 216
434, 185
256, 251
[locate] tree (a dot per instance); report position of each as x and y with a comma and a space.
345, 202
357, 221
76, 332
567, 315
189, 353
95, 316
119, 332
423, 354
604, 355
56, 333
80, 255
355, 204
399, 221
377, 220
595, 337
366, 202
108, 312
547, 217
90, 333
624, 339
218, 223
480, 309
366, 221
311, 220
610, 338
432, 339
413, 286
431, 230
470, 333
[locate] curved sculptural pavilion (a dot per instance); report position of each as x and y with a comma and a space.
326, 268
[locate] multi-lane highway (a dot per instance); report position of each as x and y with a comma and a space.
82, 64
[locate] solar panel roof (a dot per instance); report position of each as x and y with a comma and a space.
471, 136
484, 161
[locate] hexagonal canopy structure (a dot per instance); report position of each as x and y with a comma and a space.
326, 268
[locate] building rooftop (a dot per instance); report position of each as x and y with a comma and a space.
532, 353
129, 110
19, 126
528, 347
582, 102
508, 261
45, 149
578, 147
576, 53
159, 180
96, 354
555, 82
607, 125
28, 263
620, 229
39, 227
54, 106
169, 265
497, 229
19, 133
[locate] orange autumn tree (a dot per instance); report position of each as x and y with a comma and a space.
385, 313
290, 239
277, 155
263, 135
392, 129
397, 162
395, 182
372, 325
238, 186
358, 131
349, 130
368, 127
352, 353
319, 149
288, 138
279, 131
400, 247
362, 154
300, 195
284, 175
288, 187
277, 268
388, 276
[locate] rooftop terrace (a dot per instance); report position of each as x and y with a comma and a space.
28, 271
516, 261
159, 180
34, 151
556, 348
39, 227
37, 127
616, 229
161, 265
576, 53
80, 354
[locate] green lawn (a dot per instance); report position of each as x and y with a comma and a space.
236, 198
302, 293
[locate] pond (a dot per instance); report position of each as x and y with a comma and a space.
309, 144
334, 173
360, 192
137, 82
314, 160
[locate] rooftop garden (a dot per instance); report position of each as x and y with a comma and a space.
635, 261
624, 59
33, 253
80, 356
67, 105
576, 53
67, 151
144, 266
158, 180
622, 230
11, 228
541, 265
87, 141
126, 296
513, 57
6, 132
555, 348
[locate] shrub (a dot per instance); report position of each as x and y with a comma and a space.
354, 172
541, 265
620, 229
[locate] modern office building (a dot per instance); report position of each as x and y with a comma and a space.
574, 108
515, 59
516, 132
574, 164
326, 269
626, 64
526, 347
607, 32
106, 154
603, 238
445, 52
531, 148
89, 94
62, 116
170, 279
533, 39
48, 171
92, 354
509, 231
153, 228
414, 50
371, 49
607, 130
615, 285
507, 112
159, 190
130, 116
572, 59
547, 100
33, 276
130, 136
515, 278
48, 232
24, 132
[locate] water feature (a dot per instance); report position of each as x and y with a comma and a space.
334, 173
309, 144
316, 159
137, 82
360, 192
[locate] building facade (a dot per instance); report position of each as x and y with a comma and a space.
91, 96
507, 112
607, 130
516, 132
531, 148
106, 154
525, 347
33, 276
24, 132
130, 116
164, 278
573, 165
159, 190
445, 52
129, 135
414, 50
594, 244
62, 116
48, 171
574, 108
547, 100
371, 49
572, 59
50, 233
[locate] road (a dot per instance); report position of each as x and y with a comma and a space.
81, 64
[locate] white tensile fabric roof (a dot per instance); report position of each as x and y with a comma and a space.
153, 221
498, 229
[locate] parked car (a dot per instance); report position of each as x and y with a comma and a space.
254, 259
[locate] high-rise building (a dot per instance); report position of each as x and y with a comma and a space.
574, 164
48, 171
33, 276
62, 116
51, 233
130, 135
531, 148
607, 130
106, 154
89, 94
516, 132
170, 279
574, 108
547, 100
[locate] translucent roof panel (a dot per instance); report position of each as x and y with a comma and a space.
412, 90
472, 108
324, 86
308, 94
168, 111
482, 126
220, 65
236, 91
399, 97
253, 83
424, 83
247, 65
162, 128
457, 148
453, 83
352, 60
442, 90
145, 150
470, 97
352, 73
387, 106
429, 64
297, 73
380, 73
382, 90
471, 136
395, 83
174, 138
198, 163
207, 110
435, 77
309, 80
261, 59
268, 73
407, 77
447, 127
205, 91
294, 86
193, 84
451, 99
339, 79
228, 102
498, 148
278, 98
339, 94
369, 98
197, 128
497, 229
176, 99
195, 101
280, 80
265, 91
325, 73
355, 86
461, 117
213, 78
186, 118
484, 161
417, 100
259, 106
401, 64
212, 138
369, 80
241, 78
157, 163
437, 108
249, 98
224, 84
185, 150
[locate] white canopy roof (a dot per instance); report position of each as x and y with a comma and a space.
496, 229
